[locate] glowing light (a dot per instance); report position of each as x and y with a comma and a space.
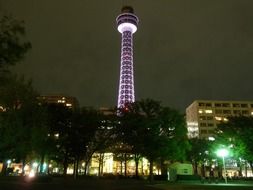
31, 174
68, 105
2, 109
218, 118
35, 164
200, 111
44, 166
208, 111
222, 152
211, 138
8, 161
127, 27
70, 171
26, 167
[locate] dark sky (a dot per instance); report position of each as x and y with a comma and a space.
183, 49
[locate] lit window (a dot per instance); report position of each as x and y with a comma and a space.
200, 111
225, 119
211, 138
68, 105
218, 118
209, 111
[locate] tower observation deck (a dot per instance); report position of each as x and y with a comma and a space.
127, 23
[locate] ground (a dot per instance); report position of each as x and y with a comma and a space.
18, 183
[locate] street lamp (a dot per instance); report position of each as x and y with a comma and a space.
223, 153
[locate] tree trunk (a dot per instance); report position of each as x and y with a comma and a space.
42, 163
163, 168
23, 167
76, 165
246, 169
142, 167
125, 158
195, 167
240, 168
203, 173
251, 165
100, 166
65, 166
4, 169
121, 167
136, 159
151, 175
87, 161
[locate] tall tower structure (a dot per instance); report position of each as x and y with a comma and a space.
127, 23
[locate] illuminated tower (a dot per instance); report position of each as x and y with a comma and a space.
127, 25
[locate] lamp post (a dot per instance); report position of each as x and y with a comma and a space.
223, 153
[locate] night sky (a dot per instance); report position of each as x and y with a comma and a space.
183, 50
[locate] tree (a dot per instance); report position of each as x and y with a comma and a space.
153, 131
237, 133
12, 45
18, 117
198, 153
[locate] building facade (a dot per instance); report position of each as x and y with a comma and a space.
68, 101
202, 116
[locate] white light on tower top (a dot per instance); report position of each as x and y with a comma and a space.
127, 23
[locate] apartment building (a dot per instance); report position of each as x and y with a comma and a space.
202, 116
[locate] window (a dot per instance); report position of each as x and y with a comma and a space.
218, 118
211, 131
245, 112
210, 125
208, 105
209, 118
201, 104
218, 111
237, 112
244, 105
236, 105
217, 105
202, 124
208, 111
203, 131
227, 111
200, 111
202, 118
225, 105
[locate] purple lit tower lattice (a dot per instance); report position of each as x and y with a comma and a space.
127, 23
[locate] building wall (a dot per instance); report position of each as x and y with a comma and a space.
202, 116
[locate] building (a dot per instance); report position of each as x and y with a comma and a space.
202, 116
127, 23
68, 101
